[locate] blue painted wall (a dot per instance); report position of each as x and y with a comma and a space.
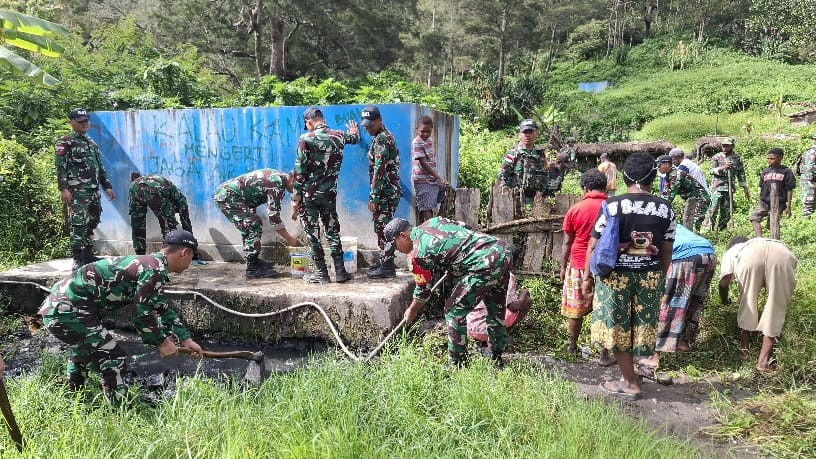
199, 149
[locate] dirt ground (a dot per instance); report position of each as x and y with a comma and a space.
680, 411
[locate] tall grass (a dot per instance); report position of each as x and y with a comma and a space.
405, 405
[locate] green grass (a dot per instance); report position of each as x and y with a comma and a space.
406, 405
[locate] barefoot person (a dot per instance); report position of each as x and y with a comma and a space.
685, 295
577, 225
755, 264
627, 300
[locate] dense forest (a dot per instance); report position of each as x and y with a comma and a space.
674, 70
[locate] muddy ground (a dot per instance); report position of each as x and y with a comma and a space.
680, 411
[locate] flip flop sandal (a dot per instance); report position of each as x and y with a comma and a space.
649, 373
618, 392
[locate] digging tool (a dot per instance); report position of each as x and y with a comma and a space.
730, 200
255, 370
11, 422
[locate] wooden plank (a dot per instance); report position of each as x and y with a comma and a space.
504, 208
773, 218
537, 247
467, 206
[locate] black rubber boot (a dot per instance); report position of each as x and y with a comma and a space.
257, 268
78, 254
321, 274
340, 273
384, 271
140, 252
88, 253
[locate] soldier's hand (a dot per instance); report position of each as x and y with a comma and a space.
372, 207
295, 209
352, 127
65, 196
110, 194
168, 347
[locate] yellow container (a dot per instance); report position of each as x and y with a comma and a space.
299, 260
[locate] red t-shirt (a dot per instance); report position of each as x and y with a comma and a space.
579, 221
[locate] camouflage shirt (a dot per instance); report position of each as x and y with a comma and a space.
525, 168
111, 284
149, 186
78, 164
807, 167
719, 181
262, 186
318, 160
448, 245
383, 168
679, 182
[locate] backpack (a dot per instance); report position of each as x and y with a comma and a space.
605, 255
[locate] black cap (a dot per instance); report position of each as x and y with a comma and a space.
527, 125
78, 114
370, 113
664, 159
311, 112
394, 228
181, 237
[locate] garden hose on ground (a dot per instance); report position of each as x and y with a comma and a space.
316, 306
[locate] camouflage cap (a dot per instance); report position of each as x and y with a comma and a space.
370, 114
728, 141
528, 125
394, 228
78, 114
181, 237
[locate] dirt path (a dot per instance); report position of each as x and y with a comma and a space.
680, 411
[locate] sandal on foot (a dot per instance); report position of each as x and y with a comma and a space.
618, 391
648, 372
607, 363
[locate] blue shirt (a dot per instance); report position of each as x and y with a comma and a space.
688, 244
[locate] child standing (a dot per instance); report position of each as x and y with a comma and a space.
427, 183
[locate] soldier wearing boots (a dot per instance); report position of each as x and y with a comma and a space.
481, 264
727, 171
806, 168
79, 175
160, 195
383, 174
314, 196
238, 198
72, 312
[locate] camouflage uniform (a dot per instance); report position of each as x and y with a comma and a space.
480, 262
317, 166
164, 199
72, 312
238, 198
807, 170
383, 174
720, 186
679, 182
526, 169
79, 169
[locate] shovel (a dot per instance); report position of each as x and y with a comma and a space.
255, 370
11, 423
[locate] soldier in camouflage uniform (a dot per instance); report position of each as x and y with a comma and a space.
162, 197
72, 311
570, 162
383, 174
314, 199
237, 198
677, 181
79, 175
807, 173
724, 165
481, 264
526, 166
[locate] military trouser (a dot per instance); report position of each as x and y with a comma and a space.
92, 347
84, 212
720, 205
694, 212
312, 214
808, 198
165, 213
384, 213
489, 285
247, 221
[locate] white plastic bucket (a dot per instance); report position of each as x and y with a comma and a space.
298, 260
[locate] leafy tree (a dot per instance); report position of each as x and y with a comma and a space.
33, 35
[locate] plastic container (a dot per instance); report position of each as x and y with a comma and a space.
349, 253
298, 260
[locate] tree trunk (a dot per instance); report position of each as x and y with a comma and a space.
277, 47
500, 77
256, 26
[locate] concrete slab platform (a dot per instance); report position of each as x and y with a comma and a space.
363, 310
